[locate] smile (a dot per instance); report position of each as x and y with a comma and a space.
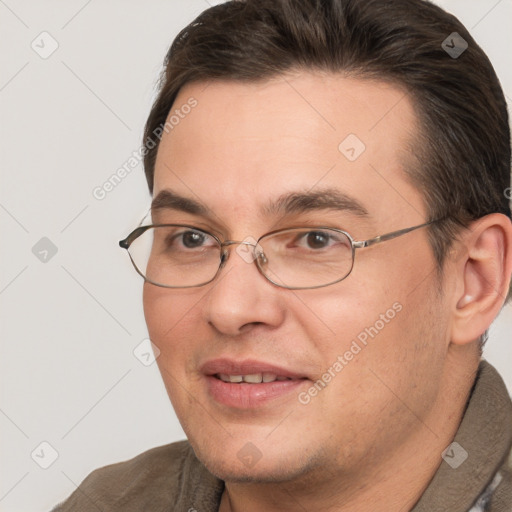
252, 378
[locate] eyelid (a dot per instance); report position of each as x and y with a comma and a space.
326, 222
313, 228
330, 235
191, 228
201, 226
307, 226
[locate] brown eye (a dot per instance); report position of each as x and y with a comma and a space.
193, 239
317, 240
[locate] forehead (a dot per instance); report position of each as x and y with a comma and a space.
245, 142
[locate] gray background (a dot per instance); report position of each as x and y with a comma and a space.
70, 324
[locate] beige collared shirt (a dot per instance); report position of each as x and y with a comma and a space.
475, 474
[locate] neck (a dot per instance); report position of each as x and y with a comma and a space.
394, 484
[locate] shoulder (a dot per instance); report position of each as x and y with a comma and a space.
153, 480
501, 488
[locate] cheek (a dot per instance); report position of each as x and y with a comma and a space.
383, 325
173, 326
336, 315
156, 306
386, 351
172, 321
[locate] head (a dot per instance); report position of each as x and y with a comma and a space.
274, 90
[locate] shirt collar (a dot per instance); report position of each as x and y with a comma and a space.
485, 433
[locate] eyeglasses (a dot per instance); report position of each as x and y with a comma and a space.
184, 256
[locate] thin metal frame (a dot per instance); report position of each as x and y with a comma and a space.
260, 258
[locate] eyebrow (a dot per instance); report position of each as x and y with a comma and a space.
169, 199
322, 199
286, 204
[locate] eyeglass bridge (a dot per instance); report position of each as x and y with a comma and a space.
260, 255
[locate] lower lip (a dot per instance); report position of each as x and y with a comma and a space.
247, 396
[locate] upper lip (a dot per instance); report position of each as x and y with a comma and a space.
246, 367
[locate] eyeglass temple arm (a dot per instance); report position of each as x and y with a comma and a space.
389, 236
125, 244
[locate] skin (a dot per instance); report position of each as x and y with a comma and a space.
373, 437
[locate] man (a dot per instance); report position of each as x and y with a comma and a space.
329, 241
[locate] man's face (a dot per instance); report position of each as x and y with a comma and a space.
241, 148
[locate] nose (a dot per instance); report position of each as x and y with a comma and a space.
249, 250
241, 297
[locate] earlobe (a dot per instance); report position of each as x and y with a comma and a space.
484, 276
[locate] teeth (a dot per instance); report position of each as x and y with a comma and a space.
252, 378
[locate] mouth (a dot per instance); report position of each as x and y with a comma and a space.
249, 384
251, 378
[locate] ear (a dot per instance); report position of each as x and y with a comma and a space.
483, 269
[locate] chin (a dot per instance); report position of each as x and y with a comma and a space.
259, 473
251, 465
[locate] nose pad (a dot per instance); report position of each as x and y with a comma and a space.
262, 258
224, 255
258, 254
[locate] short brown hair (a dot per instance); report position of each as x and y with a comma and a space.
462, 161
